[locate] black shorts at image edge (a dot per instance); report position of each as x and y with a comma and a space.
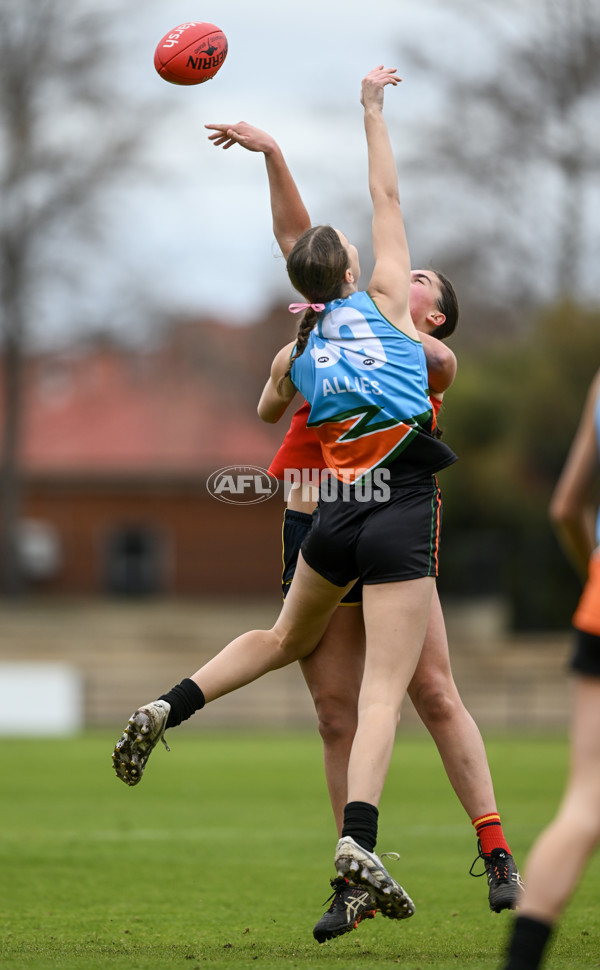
586, 654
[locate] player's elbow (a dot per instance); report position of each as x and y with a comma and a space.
267, 413
562, 512
441, 378
385, 197
269, 418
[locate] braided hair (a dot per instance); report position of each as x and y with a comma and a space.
316, 267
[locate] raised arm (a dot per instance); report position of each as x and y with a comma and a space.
571, 510
390, 282
290, 217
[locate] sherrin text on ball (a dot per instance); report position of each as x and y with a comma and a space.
191, 53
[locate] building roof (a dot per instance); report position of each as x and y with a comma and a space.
109, 411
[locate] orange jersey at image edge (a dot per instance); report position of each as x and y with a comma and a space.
587, 614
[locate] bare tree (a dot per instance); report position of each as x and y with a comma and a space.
512, 153
66, 136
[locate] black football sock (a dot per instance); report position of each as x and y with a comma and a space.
527, 944
360, 822
185, 699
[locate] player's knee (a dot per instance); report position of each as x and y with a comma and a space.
290, 644
336, 719
434, 703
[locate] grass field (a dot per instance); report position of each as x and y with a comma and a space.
221, 857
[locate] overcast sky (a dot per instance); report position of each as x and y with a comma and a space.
198, 238
201, 236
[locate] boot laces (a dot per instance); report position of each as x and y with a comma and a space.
337, 885
498, 864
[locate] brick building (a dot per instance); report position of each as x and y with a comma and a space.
117, 450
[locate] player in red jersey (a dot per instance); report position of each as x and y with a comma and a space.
333, 672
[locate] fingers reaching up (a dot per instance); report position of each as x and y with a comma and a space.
374, 83
249, 137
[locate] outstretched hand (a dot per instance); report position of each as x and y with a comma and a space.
371, 94
249, 137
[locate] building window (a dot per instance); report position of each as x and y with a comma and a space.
135, 561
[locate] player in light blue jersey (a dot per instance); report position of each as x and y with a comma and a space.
367, 385
391, 544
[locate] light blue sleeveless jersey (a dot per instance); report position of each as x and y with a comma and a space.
366, 382
354, 356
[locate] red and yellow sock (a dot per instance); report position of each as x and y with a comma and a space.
490, 834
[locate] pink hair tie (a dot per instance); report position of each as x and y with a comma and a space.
299, 307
